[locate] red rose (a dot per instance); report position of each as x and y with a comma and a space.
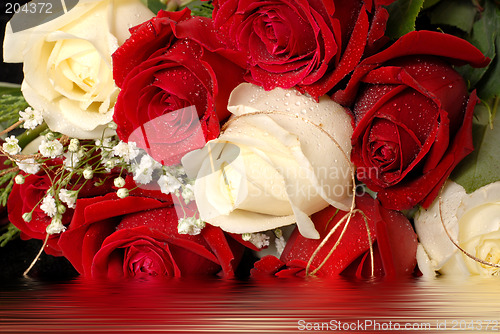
27, 197
137, 236
394, 246
174, 85
413, 116
311, 44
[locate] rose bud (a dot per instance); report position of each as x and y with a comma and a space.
282, 157
312, 45
413, 116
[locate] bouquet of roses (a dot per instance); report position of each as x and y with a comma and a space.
292, 137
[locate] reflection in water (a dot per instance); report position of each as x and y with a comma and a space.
274, 306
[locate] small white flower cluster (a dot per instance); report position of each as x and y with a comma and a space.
190, 225
53, 210
31, 117
175, 181
50, 147
279, 241
11, 145
260, 240
143, 171
29, 166
87, 160
126, 151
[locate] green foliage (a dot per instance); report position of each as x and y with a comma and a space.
10, 232
455, 13
155, 5
402, 16
201, 8
430, 3
6, 184
486, 38
11, 102
481, 167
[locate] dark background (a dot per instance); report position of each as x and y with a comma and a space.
9, 72
18, 254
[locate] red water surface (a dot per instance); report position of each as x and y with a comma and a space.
274, 306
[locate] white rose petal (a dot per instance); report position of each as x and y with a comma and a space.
270, 170
473, 221
67, 62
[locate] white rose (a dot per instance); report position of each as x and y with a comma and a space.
67, 62
473, 221
276, 167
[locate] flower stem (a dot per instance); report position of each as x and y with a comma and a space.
28, 136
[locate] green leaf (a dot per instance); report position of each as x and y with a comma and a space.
489, 86
155, 5
402, 16
6, 183
11, 102
430, 3
10, 233
201, 8
481, 167
484, 36
456, 13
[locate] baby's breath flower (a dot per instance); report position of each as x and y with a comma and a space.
260, 240
49, 205
28, 166
122, 193
27, 216
50, 148
19, 179
190, 225
112, 125
169, 184
11, 145
126, 151
280, 244
74, 145
143, 172
188, 193
31, 117
88, 173
56, 226
119, 182
61, 209
110, 164
50, 136
71, 160
69, 197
